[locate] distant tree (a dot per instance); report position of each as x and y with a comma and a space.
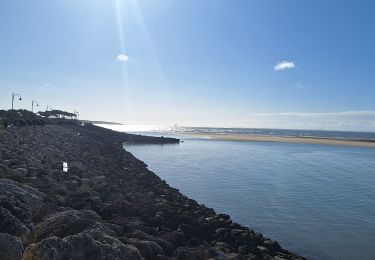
57, 114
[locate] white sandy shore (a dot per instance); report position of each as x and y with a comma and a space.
300, 140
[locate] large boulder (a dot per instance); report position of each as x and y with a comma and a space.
19, 204
87, 245
199, 253
10, 247
140, 235
148, 249
67, 223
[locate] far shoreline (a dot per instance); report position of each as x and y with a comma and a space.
287, 139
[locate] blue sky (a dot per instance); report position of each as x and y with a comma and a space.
249, 63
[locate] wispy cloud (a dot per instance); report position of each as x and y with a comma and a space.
47, 84
122, 57
348, 120
345, 113
284, 65
299, 86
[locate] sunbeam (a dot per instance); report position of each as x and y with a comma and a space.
133, 11
121, 57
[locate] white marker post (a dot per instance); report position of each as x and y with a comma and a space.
65, 167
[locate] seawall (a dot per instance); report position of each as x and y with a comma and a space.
108, 205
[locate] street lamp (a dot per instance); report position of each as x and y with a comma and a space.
13, 96
32, 105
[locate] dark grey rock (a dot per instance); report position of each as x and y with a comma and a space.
67, 223
18, 205
148, 249
10, 247
88, 245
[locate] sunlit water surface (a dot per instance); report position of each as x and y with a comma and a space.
316, 200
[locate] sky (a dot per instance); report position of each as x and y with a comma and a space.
245, 63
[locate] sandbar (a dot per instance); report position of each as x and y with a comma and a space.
287, 139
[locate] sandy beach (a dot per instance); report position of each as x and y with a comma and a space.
300, 140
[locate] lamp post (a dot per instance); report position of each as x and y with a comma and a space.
13, 96
32, 105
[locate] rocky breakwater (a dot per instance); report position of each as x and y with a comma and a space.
107, 206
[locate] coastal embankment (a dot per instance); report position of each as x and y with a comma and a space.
288, 139
107, 205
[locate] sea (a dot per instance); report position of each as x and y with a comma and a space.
315, 200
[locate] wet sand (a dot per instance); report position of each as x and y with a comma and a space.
284, 139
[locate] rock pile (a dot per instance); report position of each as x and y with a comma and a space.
107, 206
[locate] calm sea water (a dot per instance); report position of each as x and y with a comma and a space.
245, 131
316, 200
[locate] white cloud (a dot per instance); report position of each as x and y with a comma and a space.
285, 65
349, 120
47, 85
122, 57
